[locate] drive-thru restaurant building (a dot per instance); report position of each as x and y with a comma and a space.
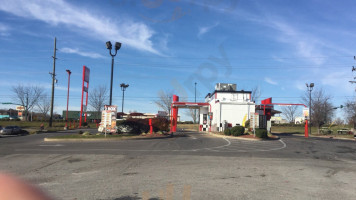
224, 107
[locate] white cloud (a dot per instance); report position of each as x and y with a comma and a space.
300, 86
304, 44
204, 30
4, 30
270, 81
339, 80
136, 35
81, 53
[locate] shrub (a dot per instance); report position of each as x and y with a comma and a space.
261, 133
237, 130
227, 131
86, 133
85, 124
247, 124
80, 132
138, 126
160, 124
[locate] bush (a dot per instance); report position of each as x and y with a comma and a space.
237, 130
86, 133
138, 126
160, 124
227, 131
80, 132
261, 133
247, 124
85, 124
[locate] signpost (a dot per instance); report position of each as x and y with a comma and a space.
108, 118
85, 88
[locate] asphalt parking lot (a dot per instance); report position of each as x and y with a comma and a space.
189, 166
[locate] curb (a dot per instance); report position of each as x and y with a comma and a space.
100, 139
326, 137
237, 138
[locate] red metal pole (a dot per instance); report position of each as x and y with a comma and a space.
151, 128
306, 133
69, 72
171, 118
175, 113
86, 102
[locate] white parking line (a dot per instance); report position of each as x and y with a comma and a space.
51, 145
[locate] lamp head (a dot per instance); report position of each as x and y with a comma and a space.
108, 45
68, 71
123, 85
117, 45
311, 85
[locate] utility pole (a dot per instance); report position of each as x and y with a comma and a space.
53, 81
353, 69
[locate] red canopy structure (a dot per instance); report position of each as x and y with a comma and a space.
174, 110
267, 105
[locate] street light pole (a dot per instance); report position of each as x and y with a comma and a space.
123, 88
117, 47
310, 88
69, 72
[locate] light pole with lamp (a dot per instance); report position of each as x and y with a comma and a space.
123, 88
69, 72
310, 88
117, 47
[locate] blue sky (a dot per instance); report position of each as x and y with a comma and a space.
168, 45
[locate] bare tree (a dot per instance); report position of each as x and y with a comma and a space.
193, 114
44, 105
27, 96
290, 112
338, 121
98, 97
164, 101
256, 94
321, 108
350, 112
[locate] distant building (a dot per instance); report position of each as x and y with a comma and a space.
75, 115
299, 120
278, 120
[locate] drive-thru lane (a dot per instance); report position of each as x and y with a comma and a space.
192, 165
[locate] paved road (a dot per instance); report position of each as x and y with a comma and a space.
189, 166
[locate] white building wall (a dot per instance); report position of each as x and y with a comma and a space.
229, 107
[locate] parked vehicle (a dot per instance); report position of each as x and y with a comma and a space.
344, 131
11, 130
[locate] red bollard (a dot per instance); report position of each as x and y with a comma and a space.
151, 128
306, 133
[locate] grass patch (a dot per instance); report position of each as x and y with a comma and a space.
288, 129
300, 130
37, 124
193, 127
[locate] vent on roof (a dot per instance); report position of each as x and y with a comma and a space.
225, 87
